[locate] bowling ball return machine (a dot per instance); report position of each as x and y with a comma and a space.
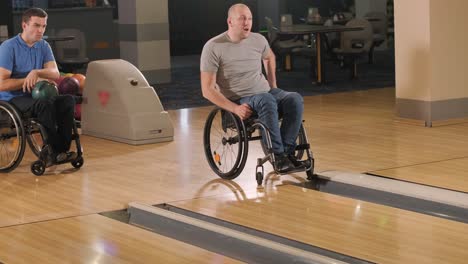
119, 105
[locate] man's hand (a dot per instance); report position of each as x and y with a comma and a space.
243, 111
31, 79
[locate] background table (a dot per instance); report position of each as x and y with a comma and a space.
303, 29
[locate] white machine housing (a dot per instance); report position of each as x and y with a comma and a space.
120, 105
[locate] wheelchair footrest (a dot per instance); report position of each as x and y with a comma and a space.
300, 169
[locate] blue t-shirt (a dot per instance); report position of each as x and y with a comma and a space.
17, 57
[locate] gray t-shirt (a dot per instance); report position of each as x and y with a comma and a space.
238, 66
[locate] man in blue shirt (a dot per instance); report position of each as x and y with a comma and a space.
25, 60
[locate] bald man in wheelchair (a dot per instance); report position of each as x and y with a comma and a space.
232, 78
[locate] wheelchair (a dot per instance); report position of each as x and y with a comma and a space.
17, 129
226, 142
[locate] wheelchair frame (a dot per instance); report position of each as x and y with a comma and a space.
16, 130
231, 139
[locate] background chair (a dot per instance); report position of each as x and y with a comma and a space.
313, 15
331, 40
378, 21
354, 44
286, 20
282, 48
347, 15
71, 54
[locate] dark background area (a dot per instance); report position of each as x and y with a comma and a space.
6, 16
194, 22
299, 8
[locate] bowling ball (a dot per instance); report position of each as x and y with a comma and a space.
59, 80
69, 85
44, 90
81, 79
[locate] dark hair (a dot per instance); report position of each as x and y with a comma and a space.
38, 12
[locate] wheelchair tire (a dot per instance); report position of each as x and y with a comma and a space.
34, 138
259, 178
301, 139
38, 167
225, 143
12, 137
311, 176
78, 162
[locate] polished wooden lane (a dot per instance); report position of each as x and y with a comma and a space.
353, 132
364, 230
358, 132
95, 239
450, 174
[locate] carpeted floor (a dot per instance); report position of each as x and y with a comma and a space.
184, 91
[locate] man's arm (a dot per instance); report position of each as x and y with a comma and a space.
8, 84
210, 92
269, 62
49, 72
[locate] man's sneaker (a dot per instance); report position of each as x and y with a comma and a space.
71, 155
283, 164
65, 156
299, 164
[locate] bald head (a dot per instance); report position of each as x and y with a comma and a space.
235, 9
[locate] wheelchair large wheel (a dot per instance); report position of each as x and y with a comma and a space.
225, 143
301, 139
34, 137
12, 138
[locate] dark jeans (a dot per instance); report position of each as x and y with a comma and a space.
272, 105
56, 115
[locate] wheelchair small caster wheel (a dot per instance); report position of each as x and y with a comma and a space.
78, 162
311, 176
259, 178
38, 167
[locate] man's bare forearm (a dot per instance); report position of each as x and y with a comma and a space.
48, 73
11, 84
270, 67
218, 99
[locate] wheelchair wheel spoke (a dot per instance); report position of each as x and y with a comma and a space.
218, 131
228, 157
231, 153
225, 165
9, 151
3, 155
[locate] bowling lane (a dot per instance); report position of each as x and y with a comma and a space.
449, 174
360, 229
95, 239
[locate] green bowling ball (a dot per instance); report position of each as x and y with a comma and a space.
44, 90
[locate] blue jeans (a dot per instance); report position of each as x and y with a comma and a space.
269, 107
